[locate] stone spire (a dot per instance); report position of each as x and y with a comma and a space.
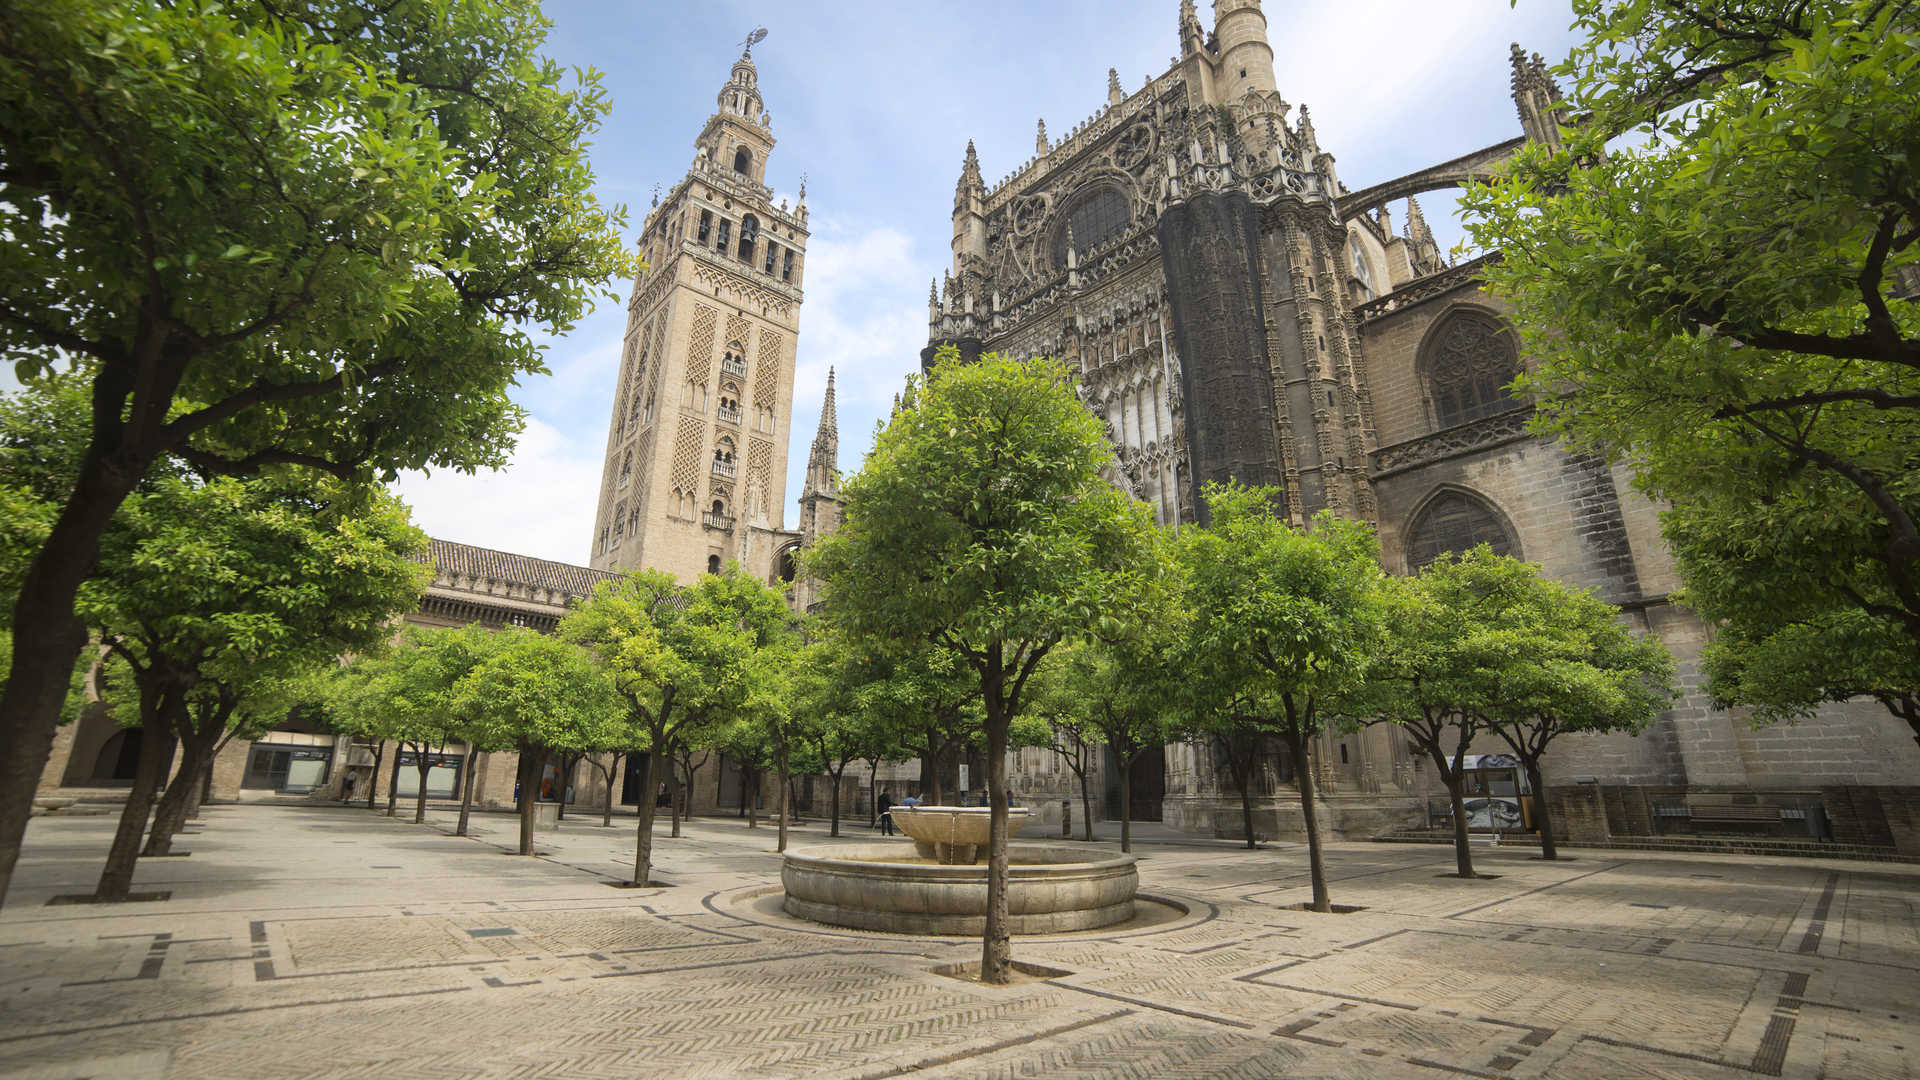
1193, 36
1307, 134
824, 461
1040, 144
1417, 230
1115, 95
1535, 97
970, 181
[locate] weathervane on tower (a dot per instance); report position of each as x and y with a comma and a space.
759, 35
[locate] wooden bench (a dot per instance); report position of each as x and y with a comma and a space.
1728, 814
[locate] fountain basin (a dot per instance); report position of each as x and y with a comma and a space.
952, 834
1050, 889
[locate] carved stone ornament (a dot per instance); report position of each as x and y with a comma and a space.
1479, 435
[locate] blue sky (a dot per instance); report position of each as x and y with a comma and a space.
875, 102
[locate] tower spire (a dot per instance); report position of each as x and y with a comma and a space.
970, 180
824, 459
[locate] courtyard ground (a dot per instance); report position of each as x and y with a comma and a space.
336, 943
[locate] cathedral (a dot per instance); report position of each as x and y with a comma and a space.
1236, 310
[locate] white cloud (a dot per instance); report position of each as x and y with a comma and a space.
542, 504
864, 316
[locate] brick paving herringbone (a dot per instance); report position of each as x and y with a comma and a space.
336, 943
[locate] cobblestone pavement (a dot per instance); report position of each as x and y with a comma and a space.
336, 943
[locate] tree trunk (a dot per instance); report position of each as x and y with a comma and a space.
1243, 778
472, 764
752, 795
834, 828
606, 812
996, 947
785, 801
170, 816
1086, 803
1126, 809
930, 776
423, 765
531, 762
393, 783
1316, 860
1462, 846
373, 778
156, 754
673, 797
47, 636
203, 794
1450, 772
562, 780
1542, 817
643, 841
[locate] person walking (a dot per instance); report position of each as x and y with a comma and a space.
885, 806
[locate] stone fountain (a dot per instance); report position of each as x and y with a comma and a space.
942, 888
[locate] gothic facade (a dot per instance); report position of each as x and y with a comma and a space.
1235, 310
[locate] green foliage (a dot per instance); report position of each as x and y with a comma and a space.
1720, 305
980, 519
531, 690
1283, 620
240, 580
1553, 659
406, 693
329, 226
680, 655
980, 523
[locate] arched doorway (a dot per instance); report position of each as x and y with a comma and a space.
119, 757
1148, 789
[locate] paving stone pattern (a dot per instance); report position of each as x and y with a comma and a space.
337, 943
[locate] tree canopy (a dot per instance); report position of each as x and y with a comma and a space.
318, 234
980, 522
1727, 301
1285, 622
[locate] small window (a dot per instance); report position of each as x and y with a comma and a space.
786, 267
724, 235
706, 225
742, 161
713, 561
773, 251
1362, 270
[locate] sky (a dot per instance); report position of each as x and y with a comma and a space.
873, 102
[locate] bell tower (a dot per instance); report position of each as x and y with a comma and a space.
703, 399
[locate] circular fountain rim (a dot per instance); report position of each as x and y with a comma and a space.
847, 856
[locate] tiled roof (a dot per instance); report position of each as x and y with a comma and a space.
486, 564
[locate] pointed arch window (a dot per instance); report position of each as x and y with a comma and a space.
742, 160
1092, 219
749, 235
1469, 359
722, 236
1454, 521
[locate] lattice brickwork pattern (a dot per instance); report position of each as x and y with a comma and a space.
688, 447
737, 328
766, 375
700, 344
759, 458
